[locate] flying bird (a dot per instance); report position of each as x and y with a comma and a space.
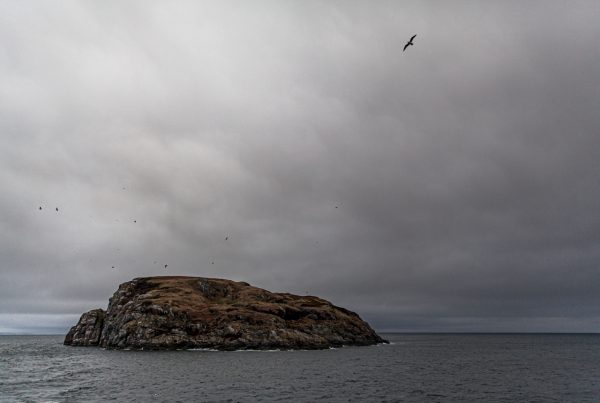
226, 238
57, 209
409, 43
166, 266
40, 207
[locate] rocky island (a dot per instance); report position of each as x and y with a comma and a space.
175, 312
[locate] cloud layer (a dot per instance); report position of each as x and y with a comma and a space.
450, 187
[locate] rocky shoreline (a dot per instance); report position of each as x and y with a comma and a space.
176, 312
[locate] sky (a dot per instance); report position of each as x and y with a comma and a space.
450, 187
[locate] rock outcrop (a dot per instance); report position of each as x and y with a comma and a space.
88, 330
194, 312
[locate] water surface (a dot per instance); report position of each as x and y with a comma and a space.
414, 367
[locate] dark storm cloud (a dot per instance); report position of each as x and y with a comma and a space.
449, 187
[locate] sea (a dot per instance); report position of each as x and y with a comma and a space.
412, 368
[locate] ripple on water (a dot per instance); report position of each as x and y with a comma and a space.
411, 368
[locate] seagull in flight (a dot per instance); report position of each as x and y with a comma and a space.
409, 42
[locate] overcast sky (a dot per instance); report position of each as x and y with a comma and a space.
451, 187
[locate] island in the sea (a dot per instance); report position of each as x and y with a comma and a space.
176, 312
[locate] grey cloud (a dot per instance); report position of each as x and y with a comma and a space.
464, 170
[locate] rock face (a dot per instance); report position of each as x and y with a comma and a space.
88, 330
194, 312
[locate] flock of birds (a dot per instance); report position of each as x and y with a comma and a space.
166, 265
135, 221
409, 43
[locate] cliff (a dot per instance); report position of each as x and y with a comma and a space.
195, 312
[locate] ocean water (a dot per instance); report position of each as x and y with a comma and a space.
414, 367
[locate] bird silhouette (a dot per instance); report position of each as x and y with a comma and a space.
57, 209
409, 43
166, 266
226, 238
40, 207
